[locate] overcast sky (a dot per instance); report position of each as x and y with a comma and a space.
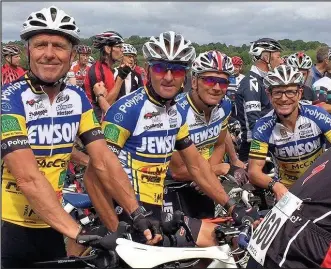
230, 23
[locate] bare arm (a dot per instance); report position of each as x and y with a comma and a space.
256, 176
111, 175
203, 175
326, 106
79, 157
39, 192
102, 202
112, 95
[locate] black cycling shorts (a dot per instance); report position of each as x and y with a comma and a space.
187, 200
192, 223
22, 246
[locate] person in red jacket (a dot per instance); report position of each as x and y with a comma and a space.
110, 45
11, 69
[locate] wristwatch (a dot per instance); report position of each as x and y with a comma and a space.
271, 184
98, 96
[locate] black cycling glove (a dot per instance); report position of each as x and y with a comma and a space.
124, 71
241, 214
90, 236
238, 175
142, 220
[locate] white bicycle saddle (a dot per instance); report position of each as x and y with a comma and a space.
138, 255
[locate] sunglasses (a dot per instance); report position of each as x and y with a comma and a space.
212, 81
161, 69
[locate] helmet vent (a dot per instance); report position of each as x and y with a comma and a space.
38, 23
40, 17
53, 13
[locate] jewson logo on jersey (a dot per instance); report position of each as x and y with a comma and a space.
159, 145
10, 90
298, 149
268, 124
131, 102
320, 115
206, 134
53, 134
252, 106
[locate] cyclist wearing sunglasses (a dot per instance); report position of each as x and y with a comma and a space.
293, 132
206, 110
146, 126
251, 100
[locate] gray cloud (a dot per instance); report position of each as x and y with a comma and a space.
230, 23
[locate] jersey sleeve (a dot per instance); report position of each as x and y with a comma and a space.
259, 145
323, 120
183, 139
227, 108
117, 126
14, 133
89, 127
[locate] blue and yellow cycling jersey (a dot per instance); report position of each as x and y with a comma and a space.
293, 152
205, 134
29, 120
144, 134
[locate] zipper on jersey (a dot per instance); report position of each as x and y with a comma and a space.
167, 117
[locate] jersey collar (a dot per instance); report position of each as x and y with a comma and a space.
157, 99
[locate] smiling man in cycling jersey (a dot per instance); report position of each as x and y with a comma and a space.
206, 110
294, 133
40, 118
145, 127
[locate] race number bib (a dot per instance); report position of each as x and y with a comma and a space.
270, 226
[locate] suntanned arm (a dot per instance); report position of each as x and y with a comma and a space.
255, 174
102, 202
79, 157
111, 175
111, 97
203, 175
39, 192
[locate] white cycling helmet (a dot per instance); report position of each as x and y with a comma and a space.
212, 61
51, 20
129, 49
300, 60
169, 46
263, 44
283, 75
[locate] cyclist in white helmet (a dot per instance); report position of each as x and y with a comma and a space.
303, 62
293, 132
251, 100
41, 117
146, 126
133, 81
